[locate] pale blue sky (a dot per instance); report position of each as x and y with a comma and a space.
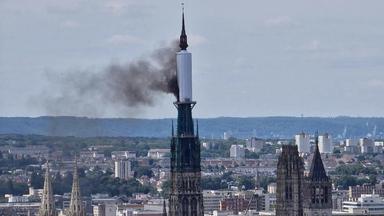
250, 58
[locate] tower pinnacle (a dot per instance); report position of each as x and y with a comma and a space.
76, 205
317, 170
164, 209
47, 207
183, 37
318, 196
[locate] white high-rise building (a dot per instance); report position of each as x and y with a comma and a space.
351, 146
303, 142
237, 152
350, 142
367, 145
123, 169
325, 143
379, 147
158, 153
254, 144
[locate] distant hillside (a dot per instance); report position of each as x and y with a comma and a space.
264, 127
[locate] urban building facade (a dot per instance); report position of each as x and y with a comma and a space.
366, 204
325, 143
237, 152
303, 143
123, 169
366, 145
254, 144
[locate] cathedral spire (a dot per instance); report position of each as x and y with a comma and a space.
317, 171
186, 197
183, 37
47, 207
76, 205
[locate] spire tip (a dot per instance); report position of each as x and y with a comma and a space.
183, 37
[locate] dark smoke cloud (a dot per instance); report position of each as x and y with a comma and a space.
132, 85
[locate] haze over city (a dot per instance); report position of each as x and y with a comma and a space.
250, 58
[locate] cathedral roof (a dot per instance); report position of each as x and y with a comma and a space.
317, 171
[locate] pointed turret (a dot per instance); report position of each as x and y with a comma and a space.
318, 193
76, 206
164, 209
317, 171
47, 207
183, 37
173, 130
197, 128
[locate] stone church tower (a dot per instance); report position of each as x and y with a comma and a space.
186, 196
290, 181
318, 193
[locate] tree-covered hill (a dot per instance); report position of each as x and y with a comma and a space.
264, 127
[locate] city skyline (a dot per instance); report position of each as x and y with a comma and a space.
322, 59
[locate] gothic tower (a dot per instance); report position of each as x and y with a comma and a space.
318, 193
47, 207
186, 196
290, 181
164, 209
76, 206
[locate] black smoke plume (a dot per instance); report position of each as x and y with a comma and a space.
132, 85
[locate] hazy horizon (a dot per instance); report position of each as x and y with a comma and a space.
195, 117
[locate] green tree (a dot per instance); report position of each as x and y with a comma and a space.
166, 189
141, 171
251, 155
36, 180
246, 182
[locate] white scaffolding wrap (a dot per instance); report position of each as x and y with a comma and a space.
184, 75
